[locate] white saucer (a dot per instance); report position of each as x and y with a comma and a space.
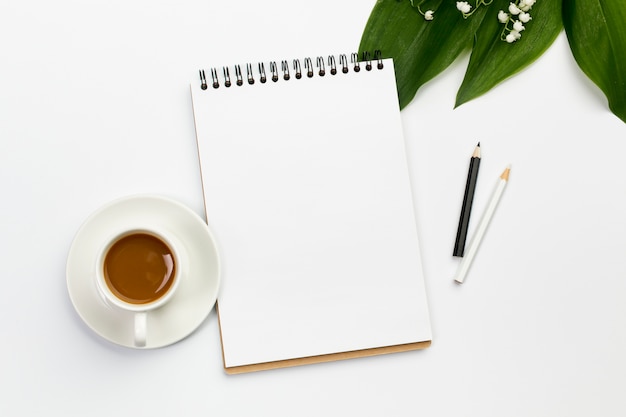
196, 294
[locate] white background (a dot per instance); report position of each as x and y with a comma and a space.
94, 105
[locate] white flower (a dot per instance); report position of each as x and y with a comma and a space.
510, 38
518, 26
516, 34
502, 16
526, 5
524, 17
512, 8
429, 15
463, 6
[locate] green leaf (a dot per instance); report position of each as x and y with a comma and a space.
596, 35
421, 49
494, 60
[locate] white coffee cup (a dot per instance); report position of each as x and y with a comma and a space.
138, 271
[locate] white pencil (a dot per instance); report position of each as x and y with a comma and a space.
482, 227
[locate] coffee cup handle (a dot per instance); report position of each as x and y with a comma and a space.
141, 324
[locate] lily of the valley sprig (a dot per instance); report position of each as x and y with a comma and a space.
518, 15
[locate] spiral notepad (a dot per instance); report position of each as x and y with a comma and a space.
307, 190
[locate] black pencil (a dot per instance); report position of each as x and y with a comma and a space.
468, 198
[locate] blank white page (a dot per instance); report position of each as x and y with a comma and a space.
307, 191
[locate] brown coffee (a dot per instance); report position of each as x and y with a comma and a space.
139, 268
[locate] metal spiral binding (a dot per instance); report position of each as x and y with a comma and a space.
238, 75
354, 58
378, 57
297, 68
309, 67
332, 65
343, 61
274, 71
202, 80
322, 65
216, 82
368, 60
226, 77
285, 67
262, 72
250, 75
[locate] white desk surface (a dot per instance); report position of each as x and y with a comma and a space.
95, 105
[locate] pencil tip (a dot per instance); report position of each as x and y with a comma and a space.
505, 174
476, 153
